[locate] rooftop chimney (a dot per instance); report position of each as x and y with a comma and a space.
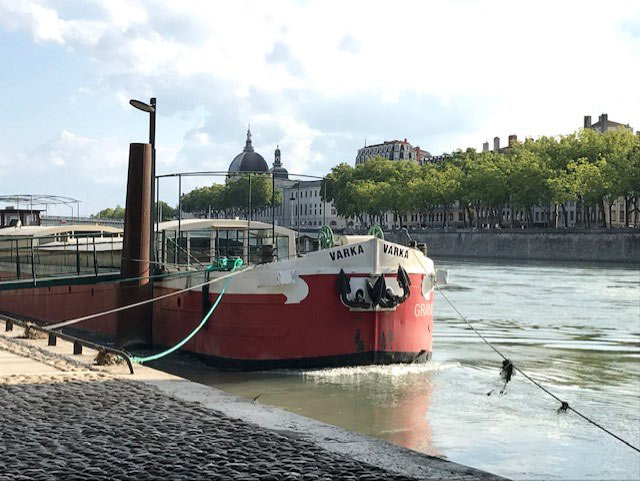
485, 146
496, 143
513, 138
605, 120
587, 121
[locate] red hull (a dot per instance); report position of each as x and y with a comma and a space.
60, 303
261, 330
254, 331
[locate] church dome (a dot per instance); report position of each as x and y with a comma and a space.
278, 171
248, 160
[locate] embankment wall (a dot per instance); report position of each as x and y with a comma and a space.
604, 246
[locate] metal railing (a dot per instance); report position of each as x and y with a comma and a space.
78, 343
34, 258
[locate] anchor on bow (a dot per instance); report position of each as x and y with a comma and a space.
378, 291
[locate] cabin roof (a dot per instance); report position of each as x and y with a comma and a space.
201, 224
43, 231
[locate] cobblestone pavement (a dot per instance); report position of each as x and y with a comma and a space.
75, 427
85, 424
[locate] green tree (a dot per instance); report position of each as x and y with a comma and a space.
589, 184
232, 198
620, 172
165, 211
205, 200
484, 185
116, 213
425, 190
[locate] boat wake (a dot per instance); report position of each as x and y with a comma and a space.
378, 371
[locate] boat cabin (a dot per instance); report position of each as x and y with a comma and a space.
62, 235
12, 217
206, 241
35, 251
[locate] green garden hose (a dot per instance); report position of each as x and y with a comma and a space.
139, 360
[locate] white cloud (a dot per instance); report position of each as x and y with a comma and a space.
95, 161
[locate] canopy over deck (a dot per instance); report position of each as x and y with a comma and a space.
68, 230
221, 224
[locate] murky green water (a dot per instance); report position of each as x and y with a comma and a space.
575, 328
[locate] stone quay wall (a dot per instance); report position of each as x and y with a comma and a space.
597, 246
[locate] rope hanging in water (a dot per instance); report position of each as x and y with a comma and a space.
160, 355
507, 372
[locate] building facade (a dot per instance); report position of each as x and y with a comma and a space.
604, 124
302, 206
392, 150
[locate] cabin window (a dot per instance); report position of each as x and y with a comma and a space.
229, 243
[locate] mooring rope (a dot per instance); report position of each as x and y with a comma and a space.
154, 276
237, 264
146, 301
564, 406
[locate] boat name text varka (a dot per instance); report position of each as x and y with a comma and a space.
348, 252
395, 251
356, 250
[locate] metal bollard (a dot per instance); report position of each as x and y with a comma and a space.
8, 326
77, 348
52, 339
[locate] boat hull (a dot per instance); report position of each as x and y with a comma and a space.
254, 331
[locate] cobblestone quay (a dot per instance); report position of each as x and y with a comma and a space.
89, 427
61, 417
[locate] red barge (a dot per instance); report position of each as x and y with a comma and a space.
362, 301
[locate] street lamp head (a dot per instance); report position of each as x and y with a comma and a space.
142, 106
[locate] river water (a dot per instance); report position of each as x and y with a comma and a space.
573, 327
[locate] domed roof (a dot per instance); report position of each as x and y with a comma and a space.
278, 171
248, 160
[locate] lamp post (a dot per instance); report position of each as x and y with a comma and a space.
150, 108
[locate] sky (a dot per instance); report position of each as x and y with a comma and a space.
319, 78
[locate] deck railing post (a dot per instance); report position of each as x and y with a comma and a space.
164, 242
77, 255
179, 208
33, 263
95, 257
175, 247
188, 246
17, 259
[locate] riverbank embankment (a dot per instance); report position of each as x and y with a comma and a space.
553, 245
65, 418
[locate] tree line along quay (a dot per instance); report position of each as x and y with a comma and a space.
593, 170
